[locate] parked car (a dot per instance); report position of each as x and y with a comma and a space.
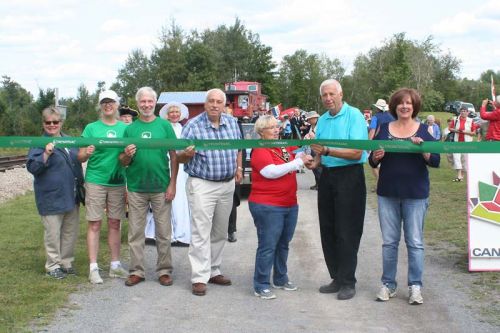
454, 106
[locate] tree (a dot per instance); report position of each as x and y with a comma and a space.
16, 103
401, 62
134, 74
300, 76
168, 62
81, 111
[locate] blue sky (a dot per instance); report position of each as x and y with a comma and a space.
66, 43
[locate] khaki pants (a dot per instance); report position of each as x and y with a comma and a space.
61, 232
138, 208
210, 204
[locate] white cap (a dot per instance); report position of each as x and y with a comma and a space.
108, 94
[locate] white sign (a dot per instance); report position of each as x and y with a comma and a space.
483, 194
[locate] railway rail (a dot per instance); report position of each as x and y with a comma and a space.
11, 162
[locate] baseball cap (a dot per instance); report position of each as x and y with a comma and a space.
108, 94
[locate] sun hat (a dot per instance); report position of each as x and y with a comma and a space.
311, 114
182, 107
381, 105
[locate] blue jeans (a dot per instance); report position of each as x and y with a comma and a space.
275, 227
392, 213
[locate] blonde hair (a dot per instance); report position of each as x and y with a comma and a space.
51, 111
262, 123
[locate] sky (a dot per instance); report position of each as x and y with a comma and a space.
65, 43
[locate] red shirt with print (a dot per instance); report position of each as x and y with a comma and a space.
281, 191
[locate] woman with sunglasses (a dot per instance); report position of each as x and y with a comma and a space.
273, 205
56, 171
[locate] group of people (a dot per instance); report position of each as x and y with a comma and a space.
150, 178
402, 189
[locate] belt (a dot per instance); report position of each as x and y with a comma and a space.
225, 180
343, 166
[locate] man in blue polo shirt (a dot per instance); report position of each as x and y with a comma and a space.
342, 189
209, 188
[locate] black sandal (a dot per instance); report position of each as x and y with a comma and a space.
457, 180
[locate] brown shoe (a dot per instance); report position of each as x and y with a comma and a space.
220, 280
165, 280
132, 280
199, 289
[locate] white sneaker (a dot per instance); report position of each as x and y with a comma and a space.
118, 272
415, 295
289, 286
385, 293
94, 276
265, 294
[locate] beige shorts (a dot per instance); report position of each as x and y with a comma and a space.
99, 198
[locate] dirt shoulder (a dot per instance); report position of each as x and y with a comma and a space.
150, 307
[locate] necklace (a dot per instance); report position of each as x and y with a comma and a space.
285, 155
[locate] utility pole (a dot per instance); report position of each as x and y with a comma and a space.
61, 108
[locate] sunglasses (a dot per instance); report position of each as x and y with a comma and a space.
53, 122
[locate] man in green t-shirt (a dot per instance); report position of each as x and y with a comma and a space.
105, 186
148, 182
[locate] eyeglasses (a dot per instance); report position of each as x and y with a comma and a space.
53, 122
108, 102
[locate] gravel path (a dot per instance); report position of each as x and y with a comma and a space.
15, 182
149, 307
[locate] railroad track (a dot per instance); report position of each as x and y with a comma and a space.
11, 162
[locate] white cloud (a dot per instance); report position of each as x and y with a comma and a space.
79, 70
72, 49
456, 25
114, 25
28, 21
125, 43
484, 19
126, 3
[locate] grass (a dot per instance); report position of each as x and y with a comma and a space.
13, 151
26, 294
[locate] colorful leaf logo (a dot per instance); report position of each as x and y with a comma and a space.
487, 206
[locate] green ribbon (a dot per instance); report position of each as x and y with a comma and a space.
178, 144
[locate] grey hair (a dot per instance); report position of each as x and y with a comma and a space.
263, 122
218, 91
330, 82
50, 111
145, 90
431, 117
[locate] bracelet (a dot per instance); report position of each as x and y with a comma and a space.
327, 151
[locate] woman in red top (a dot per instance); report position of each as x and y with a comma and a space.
273, 204
464, 129
493, 117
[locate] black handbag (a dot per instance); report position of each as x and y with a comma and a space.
450, 137
80, 191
